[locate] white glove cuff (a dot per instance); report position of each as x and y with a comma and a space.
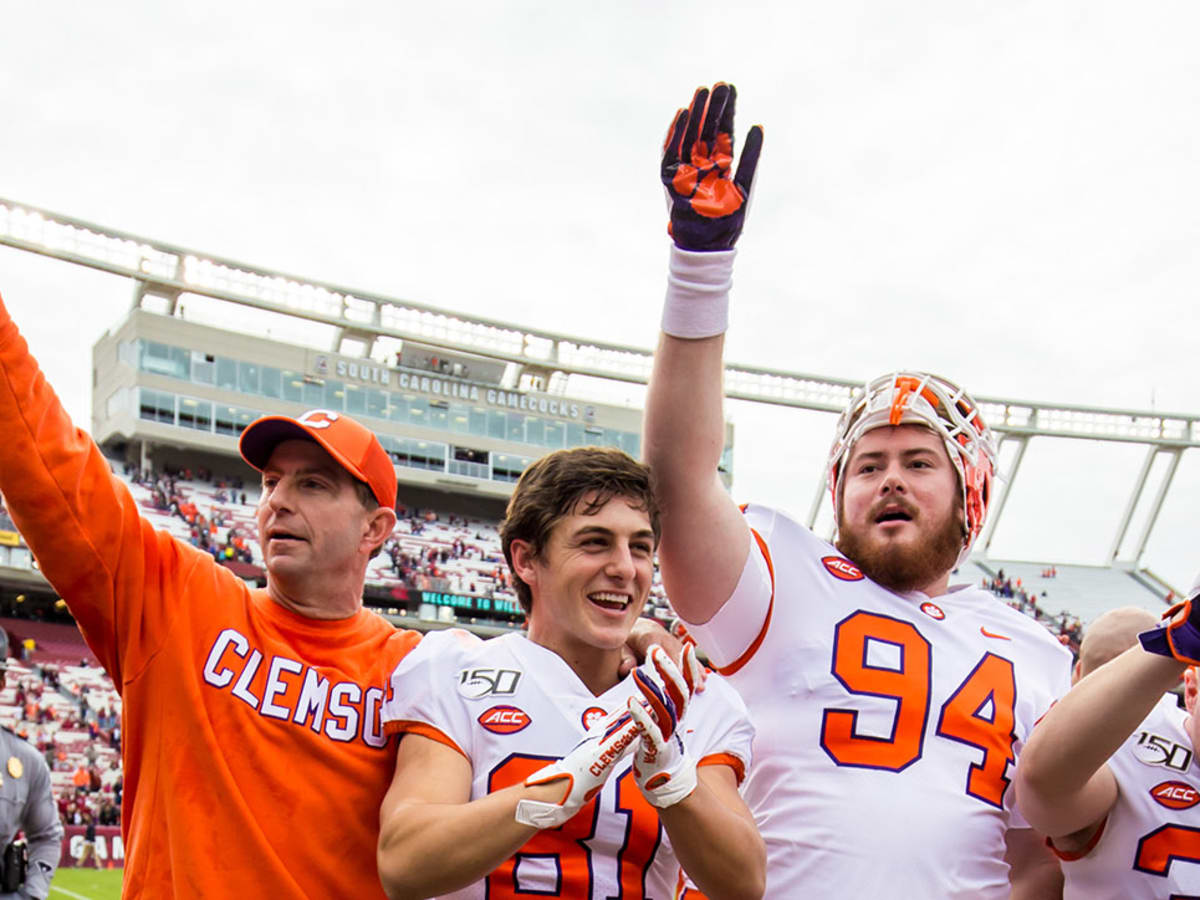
537, 814
698, 286
680, 786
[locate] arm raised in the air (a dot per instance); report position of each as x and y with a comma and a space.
705, 542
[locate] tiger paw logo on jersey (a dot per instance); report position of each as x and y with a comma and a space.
504, 719
1175, 795
933, 610
591, 716
840, 567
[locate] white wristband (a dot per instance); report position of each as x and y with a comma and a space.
698, 286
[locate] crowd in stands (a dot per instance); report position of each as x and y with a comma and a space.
71, 714
210, 527
429, 550
1068, 628
426, 552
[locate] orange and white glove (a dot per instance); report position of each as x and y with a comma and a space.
1178, 634
583, 771
707, 206
664, 770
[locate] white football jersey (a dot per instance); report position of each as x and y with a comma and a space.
511, 707
887, 725
1149, 845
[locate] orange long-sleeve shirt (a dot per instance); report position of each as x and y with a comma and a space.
255, 762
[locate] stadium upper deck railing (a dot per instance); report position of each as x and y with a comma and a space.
165, 269
172, 269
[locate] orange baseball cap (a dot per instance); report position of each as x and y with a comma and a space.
352, 444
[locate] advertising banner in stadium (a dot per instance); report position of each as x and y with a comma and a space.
10, 539
110, 849
467, 602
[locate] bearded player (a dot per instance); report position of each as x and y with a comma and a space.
889, 707
1110, 774
482, 805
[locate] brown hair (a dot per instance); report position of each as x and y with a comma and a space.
557, 484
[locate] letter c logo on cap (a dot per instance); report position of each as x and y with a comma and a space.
318, 418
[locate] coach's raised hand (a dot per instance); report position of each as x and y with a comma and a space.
708, 208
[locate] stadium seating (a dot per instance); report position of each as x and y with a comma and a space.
428, 550
71, 713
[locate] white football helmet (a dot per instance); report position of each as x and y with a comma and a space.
918, 398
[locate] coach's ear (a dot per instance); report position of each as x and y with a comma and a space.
380, 523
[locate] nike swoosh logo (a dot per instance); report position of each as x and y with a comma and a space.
999, 637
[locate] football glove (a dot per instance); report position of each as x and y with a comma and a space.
583, 771
707, 207
662, 767
1178, 635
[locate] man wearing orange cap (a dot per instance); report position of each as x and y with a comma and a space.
253, 750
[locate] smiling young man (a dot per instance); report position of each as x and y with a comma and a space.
512, 777
250, 719
889, 707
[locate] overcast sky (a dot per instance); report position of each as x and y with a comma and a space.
1005, 193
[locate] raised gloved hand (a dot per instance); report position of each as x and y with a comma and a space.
707, 207
1178, 635
662, 767
583, 771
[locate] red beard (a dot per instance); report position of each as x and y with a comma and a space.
905, 568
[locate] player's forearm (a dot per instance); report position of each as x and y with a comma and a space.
702, 822
705, 539
1034, 872
1079, 733
684, 422
428, 849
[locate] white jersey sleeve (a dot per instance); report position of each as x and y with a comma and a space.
422, 690
717, 729
738, 625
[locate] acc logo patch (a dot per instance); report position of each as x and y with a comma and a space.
1175, 795
932, 610
591, 716
504, 719
840, 567
476, 683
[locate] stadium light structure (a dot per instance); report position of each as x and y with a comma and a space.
163, 270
